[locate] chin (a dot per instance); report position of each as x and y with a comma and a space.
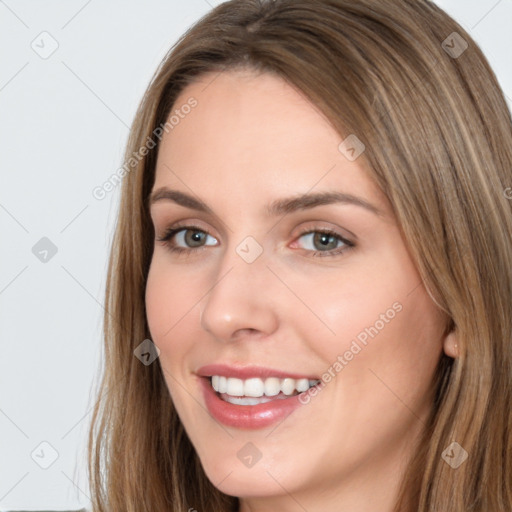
228, 474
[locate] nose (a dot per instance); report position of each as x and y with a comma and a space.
241, 300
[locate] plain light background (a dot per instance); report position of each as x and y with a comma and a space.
65, 118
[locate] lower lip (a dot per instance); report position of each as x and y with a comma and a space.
247, 416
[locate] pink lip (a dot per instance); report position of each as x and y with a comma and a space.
246, 372
247, 416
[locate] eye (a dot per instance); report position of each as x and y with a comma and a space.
325, 242
185, 238
319, 242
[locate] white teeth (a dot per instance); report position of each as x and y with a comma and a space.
249, 400
257, 388
254, 387
303, 385
272, 386
223, 384
235, 387
288, 386
242, 400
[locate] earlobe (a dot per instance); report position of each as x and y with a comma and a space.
451, 347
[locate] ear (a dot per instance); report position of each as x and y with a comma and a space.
450, 345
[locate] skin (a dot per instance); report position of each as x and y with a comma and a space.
251, 139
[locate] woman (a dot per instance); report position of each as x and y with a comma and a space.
308, 297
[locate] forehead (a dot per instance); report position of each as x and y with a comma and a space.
248, 109
251, 133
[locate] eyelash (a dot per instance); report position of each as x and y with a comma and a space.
169, 233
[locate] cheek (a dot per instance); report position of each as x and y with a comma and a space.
170, 297
350, 307
389, 352
169, 310
379, 328
159, 304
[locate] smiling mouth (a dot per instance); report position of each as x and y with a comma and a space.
256, 391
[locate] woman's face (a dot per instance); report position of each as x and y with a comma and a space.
280, 288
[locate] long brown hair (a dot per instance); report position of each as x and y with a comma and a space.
414, 87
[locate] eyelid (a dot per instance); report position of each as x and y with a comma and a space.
321, 225
182, 224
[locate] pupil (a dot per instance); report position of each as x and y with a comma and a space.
324, 238
196, 237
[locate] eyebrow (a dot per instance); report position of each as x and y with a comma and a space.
275, 208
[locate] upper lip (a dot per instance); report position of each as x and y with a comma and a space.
247, 372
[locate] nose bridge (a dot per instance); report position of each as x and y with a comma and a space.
240, 293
